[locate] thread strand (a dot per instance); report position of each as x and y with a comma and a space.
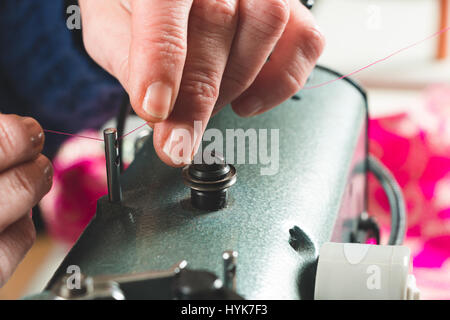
305, 88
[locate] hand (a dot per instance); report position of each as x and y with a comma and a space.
182, 60
25, 177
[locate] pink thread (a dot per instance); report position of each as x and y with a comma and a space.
305, 88
73, 135
120, 138
380, 60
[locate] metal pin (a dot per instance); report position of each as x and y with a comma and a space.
229, 269
112, 165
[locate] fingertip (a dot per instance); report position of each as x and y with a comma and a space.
152, 102
35, 132
158, 101
46, 169
163, 152
157, 56
248, 105
176, 143
151, 120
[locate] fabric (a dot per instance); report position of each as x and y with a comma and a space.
415, 146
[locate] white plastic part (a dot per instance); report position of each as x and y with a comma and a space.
352, 271
412, 292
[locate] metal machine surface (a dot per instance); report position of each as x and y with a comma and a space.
276, 223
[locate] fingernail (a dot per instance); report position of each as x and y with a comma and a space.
180, 146
250, 106
47, 169
35, 131
48, 173
158, 100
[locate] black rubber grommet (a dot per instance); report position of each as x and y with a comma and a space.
209, 183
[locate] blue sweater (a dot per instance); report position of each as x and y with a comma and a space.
45, 75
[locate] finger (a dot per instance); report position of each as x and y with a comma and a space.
22, 187
107, 36
21, 140
290, 64
157, 55
261, 24
211, 29
15, 242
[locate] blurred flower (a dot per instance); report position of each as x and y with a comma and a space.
415, 146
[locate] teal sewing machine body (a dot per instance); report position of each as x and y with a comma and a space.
276, 223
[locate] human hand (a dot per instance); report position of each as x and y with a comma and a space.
182, 60
25, 177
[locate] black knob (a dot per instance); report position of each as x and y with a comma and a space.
308, 3
209, 182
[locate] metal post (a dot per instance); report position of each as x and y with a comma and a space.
229, 269
112, 165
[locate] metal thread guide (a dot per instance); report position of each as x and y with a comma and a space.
112, 165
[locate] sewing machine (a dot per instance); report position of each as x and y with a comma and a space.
165, 239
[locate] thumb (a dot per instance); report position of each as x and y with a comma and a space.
157, 55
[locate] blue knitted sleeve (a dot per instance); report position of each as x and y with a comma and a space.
44, 74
